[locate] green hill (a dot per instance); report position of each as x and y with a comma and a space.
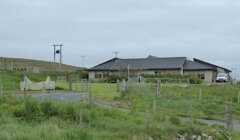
19, 64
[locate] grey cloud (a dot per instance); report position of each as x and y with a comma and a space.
206, 29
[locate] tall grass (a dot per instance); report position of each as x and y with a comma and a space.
31, 119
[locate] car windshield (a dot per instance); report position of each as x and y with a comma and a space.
221, 75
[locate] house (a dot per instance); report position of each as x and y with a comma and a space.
155, 65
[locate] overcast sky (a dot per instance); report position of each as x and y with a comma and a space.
204, 29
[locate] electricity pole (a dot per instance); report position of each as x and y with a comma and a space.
234, 75
116, 54
61, 56
57, 51
83, 61
54, 62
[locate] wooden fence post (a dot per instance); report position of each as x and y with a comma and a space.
80, 119
200, 94
70, 84
118, 85
238, 97
191, 111
89, 96
1, 88
154, 105
147, 119
229, 120
158, 89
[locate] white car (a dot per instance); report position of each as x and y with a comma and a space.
222, 77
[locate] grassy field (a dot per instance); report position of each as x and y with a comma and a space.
11, 80
30, 119
177, 99
22, 63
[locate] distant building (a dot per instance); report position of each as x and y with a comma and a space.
155, 65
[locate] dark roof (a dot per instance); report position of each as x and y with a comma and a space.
209, 64
190, 65
150, 63
155, 63
105, 66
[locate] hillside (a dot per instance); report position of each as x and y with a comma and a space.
19, 64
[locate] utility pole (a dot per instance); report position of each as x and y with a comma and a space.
83, 61
128, 70
61, 45
57, 51
116, 54
5, 64
54, 62
234, 75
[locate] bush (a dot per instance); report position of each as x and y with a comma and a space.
59, 88
19, 111
193, 79
114, 77
68, 112
49, 109
3, 99
30, 110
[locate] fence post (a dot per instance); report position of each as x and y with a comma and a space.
158, 88
154, 105
124, 85
147, 119
191, 111
229, 120
80, 119
118, 85
89, 93
1, 88
200, 94
70, 84
43, 90
238, 97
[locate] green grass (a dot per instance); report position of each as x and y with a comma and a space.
176, 99
30, 119
11, 80
103, 91
43, 65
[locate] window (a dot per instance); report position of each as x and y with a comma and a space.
97, 75
201, 76
105, 75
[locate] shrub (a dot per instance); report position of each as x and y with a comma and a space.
49, 109
193, 79
59, 88
114, 77
19, 111
3, 99
32, 109
29, 110
68, 112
